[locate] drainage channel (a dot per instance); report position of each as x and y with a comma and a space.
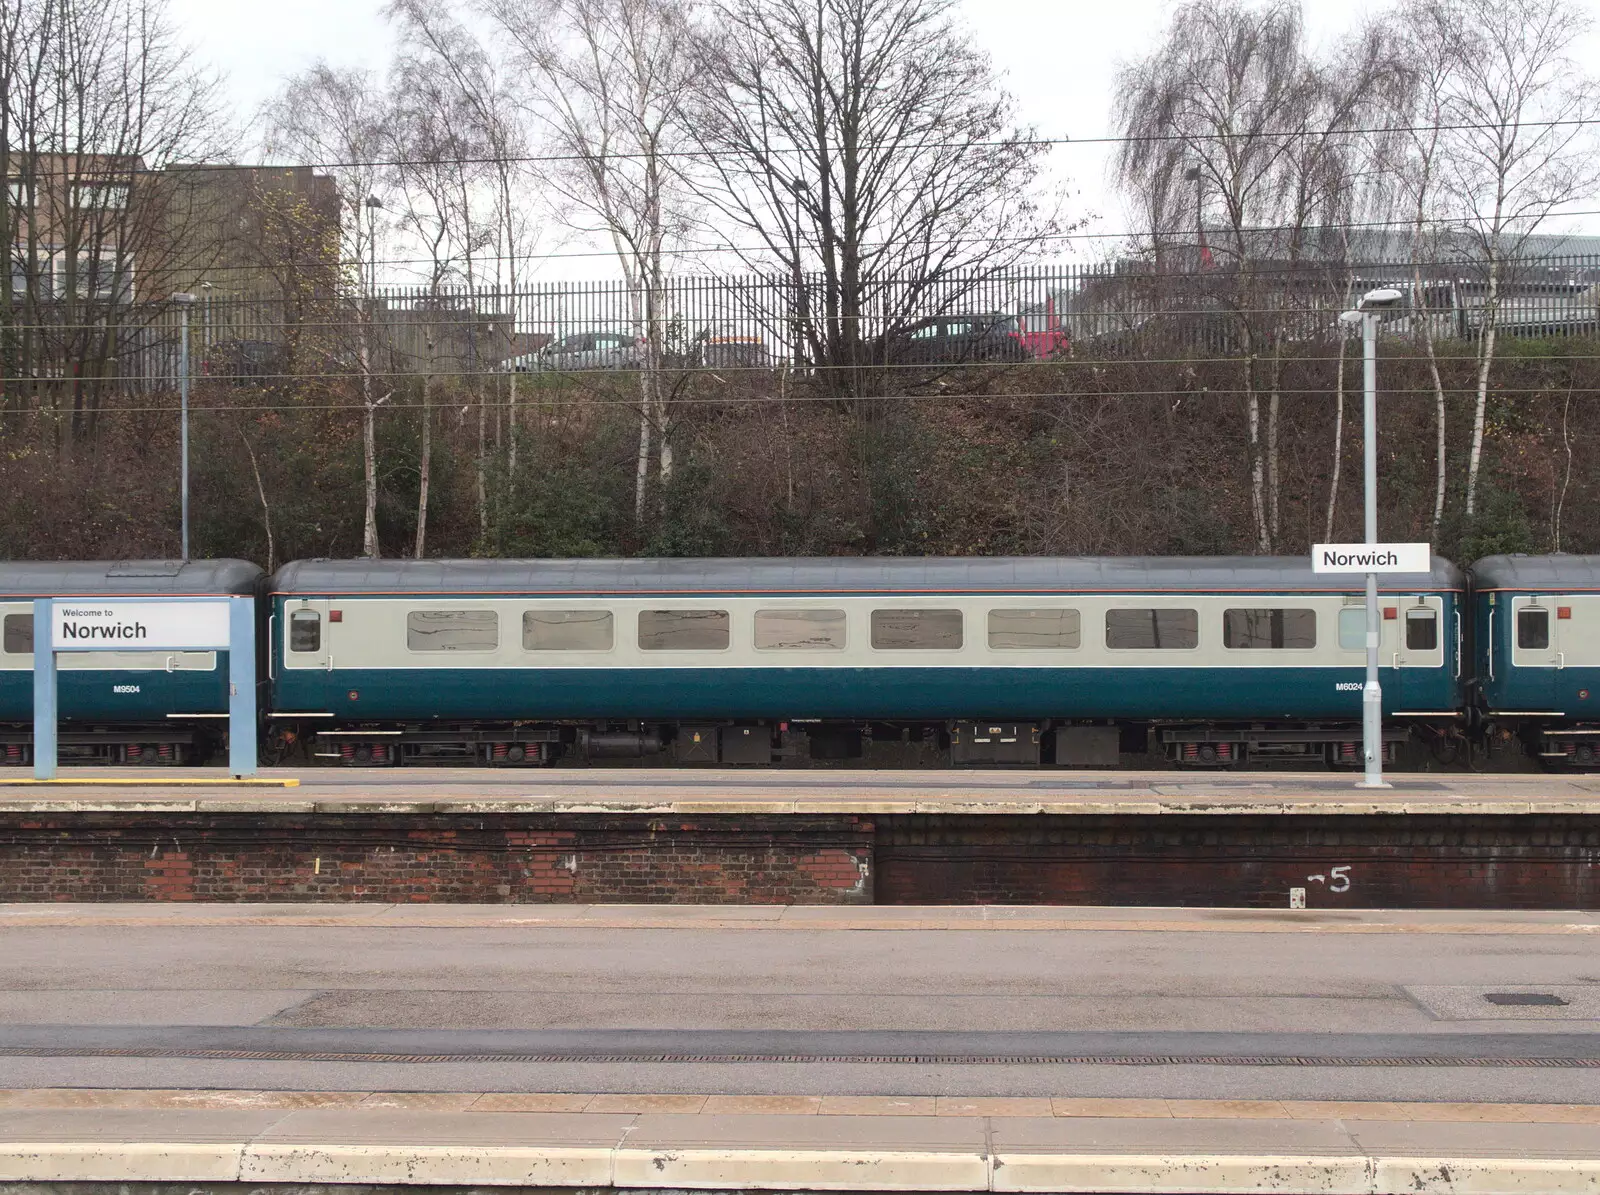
1292, 1060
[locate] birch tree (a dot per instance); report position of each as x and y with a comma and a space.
336, 118
606, 81
1233, 99
1516, 145
462, 74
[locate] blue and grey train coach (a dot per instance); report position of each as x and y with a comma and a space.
143, 707
1536, 621
992, 660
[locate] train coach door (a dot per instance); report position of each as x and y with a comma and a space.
1536, 652
302, 645
1418, 655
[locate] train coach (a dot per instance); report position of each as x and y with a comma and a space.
136, 707
1537, 626
983, 660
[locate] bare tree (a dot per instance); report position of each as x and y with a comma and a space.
868, 141
1516, 145
435, 164
606, 81
95, 101
336, 118
1233, 101
439, 49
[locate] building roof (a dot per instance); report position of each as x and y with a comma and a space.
1553, 573
126, 578
900, 574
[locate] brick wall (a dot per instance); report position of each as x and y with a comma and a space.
1238, 860
479, 859
1421, 861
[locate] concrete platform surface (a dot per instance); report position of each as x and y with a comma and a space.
809, 791
1019, 919
792, 1143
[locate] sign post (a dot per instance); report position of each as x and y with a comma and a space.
1372, 558
146, 624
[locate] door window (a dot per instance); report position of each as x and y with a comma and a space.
1533, 628
305, 631
1422, 630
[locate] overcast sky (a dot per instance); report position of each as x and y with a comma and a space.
1059, 58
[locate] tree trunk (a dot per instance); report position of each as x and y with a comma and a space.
482, 466
425, 464
266, 509
1258, 481
641, 473
369, 445
1491, 312
1439, 410
1274, 403
1338, 440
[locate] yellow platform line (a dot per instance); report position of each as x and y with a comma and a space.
152, 782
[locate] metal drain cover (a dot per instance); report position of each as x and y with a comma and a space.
1538, 998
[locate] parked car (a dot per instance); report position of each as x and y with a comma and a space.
583, 351
244, 361
957, 340
728, 351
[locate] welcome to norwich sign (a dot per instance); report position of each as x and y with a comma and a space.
1372, 558
139, 625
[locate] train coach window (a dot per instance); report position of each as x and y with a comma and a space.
566, 630
683, 630
305, 630
1270, 628
17, 639
1533, 628
452, 630
916, 630
1034, 630
1148, 630
1422, 630
800, 630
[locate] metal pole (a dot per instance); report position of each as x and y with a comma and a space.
1371, 692
183, 401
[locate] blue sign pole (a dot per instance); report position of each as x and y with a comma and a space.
44, 691
242, 686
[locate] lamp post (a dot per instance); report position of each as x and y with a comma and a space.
184, 300
1366, 314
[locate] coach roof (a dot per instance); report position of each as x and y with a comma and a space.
1545, 574
851, 574
131, 578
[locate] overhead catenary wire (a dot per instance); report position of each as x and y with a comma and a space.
464, 404
868, 147
1178, 239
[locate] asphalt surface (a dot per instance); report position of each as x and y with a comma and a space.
1205, 1013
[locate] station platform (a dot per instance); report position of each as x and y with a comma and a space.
215, 1140
800, 792
806, 836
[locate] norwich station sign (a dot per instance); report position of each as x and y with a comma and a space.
1372, 558
93, 625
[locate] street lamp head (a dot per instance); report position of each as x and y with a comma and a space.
183, 297
1382, 297
1350, 317
372, 201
